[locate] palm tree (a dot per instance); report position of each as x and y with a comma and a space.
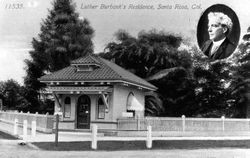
153, 105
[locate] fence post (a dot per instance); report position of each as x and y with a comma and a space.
94, 137
138, 123
56, 130
33, 132
149, 137
15, 126
183, 123
25, 132
223, 123
118, 124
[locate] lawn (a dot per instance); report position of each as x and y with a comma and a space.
141, 145
6, 136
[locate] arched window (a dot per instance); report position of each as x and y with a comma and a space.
101, 108
67, 107
129, 103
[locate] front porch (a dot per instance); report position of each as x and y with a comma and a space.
81, 106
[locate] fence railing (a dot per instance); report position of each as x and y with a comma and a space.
44, 122
184, 124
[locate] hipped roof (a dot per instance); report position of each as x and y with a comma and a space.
106, 71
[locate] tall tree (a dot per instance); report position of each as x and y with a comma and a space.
63, 37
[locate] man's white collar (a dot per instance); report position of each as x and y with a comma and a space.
218, 43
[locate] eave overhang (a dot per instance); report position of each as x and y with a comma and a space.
99, 82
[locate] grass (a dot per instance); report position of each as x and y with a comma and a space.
141, 145
4, 135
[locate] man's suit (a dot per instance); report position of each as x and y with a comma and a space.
224, 51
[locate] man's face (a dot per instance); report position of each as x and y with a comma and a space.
215, 30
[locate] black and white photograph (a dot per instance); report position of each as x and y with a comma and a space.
124, 79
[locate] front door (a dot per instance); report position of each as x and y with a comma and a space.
83, 112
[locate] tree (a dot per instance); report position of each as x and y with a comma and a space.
188, 82
211, 89
221, 86
176, 88
156, 56
147, 54
153, 105
240, 65
64, 37
12, 94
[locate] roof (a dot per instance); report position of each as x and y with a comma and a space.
88, 59
78, 89
108, 71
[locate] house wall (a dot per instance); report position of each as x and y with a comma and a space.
117, 105
120, 96
107, 122
70, 123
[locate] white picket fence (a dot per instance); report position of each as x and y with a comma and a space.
184, 124
44, 122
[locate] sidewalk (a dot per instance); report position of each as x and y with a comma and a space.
86, 136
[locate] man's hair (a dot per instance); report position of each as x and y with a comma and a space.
223, 19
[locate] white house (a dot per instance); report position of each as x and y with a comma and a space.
93, 90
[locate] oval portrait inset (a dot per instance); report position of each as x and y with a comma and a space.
218, 32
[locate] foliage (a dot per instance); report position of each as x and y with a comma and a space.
211, 89
177, 91
153, 105
63, 37
240, 66
12, 94
222, 85
151, 52
188, 82
155, 56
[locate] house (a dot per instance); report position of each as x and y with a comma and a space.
93, 90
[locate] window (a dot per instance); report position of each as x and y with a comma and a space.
101, 108
67, 106
129, 101
84, 68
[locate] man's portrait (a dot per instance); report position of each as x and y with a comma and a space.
221, 34
218, 46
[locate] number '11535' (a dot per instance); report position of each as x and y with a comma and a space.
14, 6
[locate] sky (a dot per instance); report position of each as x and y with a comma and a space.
20, 21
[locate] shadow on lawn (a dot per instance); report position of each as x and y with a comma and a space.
141, 145
4, 135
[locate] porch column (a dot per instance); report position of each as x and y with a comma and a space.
58, 102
